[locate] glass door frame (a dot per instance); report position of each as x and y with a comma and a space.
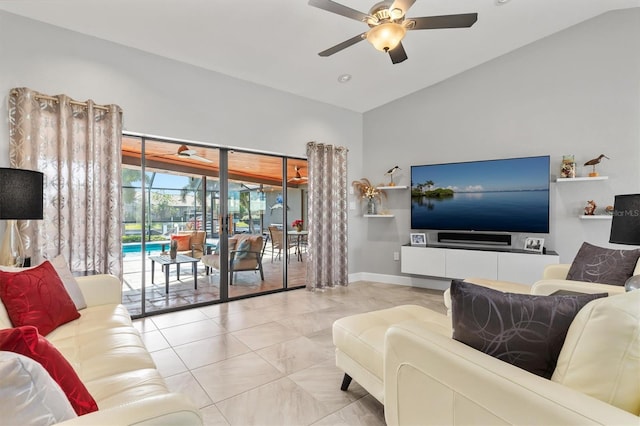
225, 226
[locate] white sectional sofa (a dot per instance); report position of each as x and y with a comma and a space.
406, 358
111, 360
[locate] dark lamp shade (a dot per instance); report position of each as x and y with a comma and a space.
20, 194
625, 224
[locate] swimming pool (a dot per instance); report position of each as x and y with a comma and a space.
153, 247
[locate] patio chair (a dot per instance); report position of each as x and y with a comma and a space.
279, 241
245, 254
190, 243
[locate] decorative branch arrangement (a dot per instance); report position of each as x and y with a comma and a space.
367, 190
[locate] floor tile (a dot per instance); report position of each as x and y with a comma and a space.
293, 355
177, 318
211, 350
265, 335
168, 362
154, 341
323, 381
245, 319
281, 402
270, 360
186, 384
236, 375
191, 332
366, 411
211, 416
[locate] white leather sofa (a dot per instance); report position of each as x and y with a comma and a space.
406, 358
108, 354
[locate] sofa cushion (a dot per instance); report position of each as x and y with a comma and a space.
524, 330
601, 353
28, 394
26, 341
243, 249
37, 297
602, 265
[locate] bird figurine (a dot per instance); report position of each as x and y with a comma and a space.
390, 172
593, 163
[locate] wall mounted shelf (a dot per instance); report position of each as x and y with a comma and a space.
581, 179
393, 187
378, 215
596, 216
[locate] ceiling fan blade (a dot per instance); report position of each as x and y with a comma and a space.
340, 46
403, 5
463, 20
331, 6
398, 54
198, 158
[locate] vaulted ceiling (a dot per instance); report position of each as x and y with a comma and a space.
275, 43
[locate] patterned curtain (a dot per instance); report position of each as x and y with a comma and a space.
327, 265
77, 147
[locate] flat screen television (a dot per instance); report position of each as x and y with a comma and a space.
505, 195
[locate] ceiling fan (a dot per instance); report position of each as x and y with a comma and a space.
185, 151
298, 178
388, 25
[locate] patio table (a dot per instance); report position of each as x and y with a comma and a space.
165, 261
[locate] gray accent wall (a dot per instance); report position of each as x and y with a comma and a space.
575, 92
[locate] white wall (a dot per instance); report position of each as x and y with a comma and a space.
164, 97
575, 92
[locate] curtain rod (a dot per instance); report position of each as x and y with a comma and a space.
14, 92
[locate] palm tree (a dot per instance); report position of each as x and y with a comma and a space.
429, 184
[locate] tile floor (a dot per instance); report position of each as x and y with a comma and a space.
269, 360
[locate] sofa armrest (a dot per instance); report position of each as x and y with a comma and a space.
165, 410
100, 289
556, 272
549, 286
431, 380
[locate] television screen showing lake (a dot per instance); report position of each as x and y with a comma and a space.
524, 211
508, 195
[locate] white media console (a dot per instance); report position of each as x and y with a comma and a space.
456, 262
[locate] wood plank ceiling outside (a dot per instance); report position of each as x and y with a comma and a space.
243, 166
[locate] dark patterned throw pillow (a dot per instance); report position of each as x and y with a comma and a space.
602, 265
524, 330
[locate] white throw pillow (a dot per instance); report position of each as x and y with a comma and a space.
62, 268
601, 352
28, 394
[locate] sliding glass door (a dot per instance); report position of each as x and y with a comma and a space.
207, 201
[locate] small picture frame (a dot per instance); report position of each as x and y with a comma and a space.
534, 244
419, 240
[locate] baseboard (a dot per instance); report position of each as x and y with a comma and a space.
433, 284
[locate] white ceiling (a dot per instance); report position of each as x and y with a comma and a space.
275, 42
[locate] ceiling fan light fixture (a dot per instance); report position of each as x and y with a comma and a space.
387, 36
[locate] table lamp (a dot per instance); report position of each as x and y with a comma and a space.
20, 199
625, 228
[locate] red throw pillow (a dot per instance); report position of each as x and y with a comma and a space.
184, 242
37, 297
26, 341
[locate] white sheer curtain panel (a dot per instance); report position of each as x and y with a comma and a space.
77, 147
327, 265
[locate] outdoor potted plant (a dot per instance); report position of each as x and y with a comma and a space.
297, 224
